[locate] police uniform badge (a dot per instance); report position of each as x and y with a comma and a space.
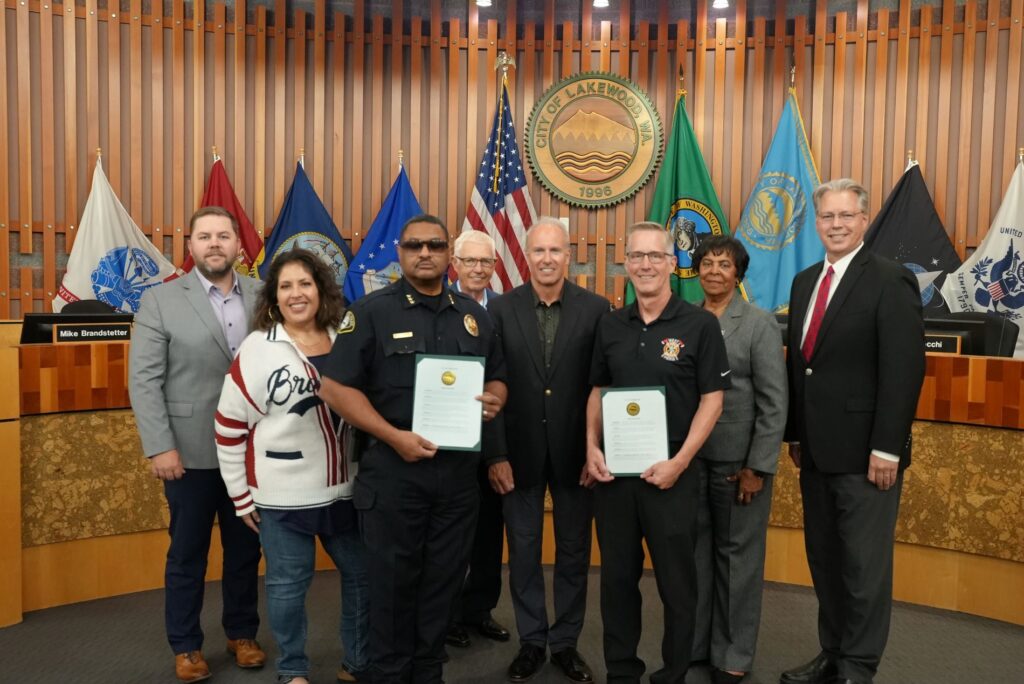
348, 323
471, 326
670, 348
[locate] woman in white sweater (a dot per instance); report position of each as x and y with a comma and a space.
282, 461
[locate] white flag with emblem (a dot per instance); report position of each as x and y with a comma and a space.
992, 279
111, 260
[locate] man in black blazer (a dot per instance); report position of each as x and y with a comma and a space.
547, 331
855, 365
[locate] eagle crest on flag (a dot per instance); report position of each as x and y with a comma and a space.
122, 275
1001, 283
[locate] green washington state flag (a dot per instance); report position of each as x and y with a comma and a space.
685, 202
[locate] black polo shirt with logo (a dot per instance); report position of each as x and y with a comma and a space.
682, 350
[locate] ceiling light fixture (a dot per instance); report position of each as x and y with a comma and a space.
483, 3
600, 4
720, 4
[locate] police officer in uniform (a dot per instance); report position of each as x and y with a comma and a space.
418, 504
659, 340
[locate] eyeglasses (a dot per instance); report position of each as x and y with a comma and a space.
473, 262
654, 257
434, 245
844, 217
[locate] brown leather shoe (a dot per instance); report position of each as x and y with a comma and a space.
191, 667
247, 652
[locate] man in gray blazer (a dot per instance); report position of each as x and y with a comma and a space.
186, 334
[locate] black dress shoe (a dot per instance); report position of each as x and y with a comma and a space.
457, 636
490, 629
573, 665
821, 670
723, 677
526, 663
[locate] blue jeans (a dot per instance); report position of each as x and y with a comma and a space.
291, 561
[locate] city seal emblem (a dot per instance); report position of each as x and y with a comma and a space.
448, 378
633, 408
594, 139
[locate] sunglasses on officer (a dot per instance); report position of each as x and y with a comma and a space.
433, 245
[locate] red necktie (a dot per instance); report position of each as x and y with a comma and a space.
820, 303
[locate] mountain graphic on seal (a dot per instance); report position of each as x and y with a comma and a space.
591, 147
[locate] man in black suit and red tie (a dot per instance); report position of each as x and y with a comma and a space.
856, 364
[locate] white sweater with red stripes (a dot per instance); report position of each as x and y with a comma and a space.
275, 441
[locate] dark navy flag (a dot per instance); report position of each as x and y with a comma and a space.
909, 231
304, 222
376, 264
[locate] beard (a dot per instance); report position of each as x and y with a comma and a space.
214, 273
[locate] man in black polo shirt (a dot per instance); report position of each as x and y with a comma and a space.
659, 340
417, 503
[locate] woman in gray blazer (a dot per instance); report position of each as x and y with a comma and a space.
737, 464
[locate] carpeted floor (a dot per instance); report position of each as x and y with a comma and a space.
121, 640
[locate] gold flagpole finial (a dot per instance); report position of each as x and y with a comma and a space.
503, 62
910, 160
1020, 155
213, 151
681, 90
99, 153
302, 156
401, 158
792, 76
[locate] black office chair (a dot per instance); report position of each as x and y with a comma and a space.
88, 306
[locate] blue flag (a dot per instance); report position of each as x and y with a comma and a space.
304, 222
376, 264
777, 225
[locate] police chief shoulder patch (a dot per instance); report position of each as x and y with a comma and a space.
348, 323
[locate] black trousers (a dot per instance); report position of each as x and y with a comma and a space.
849, 529
417, 521
194, 501
482, 588
628, 511
524, 517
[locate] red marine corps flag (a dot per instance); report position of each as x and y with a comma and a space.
219, 193
500, 205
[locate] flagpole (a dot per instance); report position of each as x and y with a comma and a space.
1020, 155
213, 151
302, 157
503, 62
401, 160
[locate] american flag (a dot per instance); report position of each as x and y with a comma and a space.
501, 205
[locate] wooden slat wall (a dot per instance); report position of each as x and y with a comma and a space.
867, 95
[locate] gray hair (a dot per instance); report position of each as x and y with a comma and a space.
552, 221
474, 237
842, 185
651, 226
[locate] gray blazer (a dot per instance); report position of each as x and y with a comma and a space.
176, 368
754, 412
